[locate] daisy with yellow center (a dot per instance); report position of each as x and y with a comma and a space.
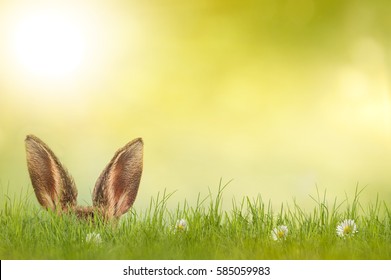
280, 233
181, 225
347, 228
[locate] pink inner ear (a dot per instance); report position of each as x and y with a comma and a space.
117, 186
48, 175
42, 170
121, 176
52, 184
125, 183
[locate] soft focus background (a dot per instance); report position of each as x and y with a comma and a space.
279, 96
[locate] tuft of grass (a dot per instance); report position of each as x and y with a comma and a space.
244, 232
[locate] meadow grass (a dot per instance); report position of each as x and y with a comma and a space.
244, 232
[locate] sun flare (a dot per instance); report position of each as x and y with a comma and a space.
48, 44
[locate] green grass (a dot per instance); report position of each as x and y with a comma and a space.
244, 232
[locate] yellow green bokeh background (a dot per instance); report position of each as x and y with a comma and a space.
279, 96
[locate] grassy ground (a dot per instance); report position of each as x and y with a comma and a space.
28, 232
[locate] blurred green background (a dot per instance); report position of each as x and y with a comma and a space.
279, 96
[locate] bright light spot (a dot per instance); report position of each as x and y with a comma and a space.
48, 44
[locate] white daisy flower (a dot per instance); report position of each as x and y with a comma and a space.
93, 238
280, 233
347, 228
181, 225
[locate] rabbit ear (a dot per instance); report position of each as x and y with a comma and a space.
117, 186
52, 185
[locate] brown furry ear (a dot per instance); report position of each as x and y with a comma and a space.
52, 184
117, 186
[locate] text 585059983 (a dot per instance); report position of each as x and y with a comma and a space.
243, 270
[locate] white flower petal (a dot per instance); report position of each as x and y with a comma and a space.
346, 228
279, 233
181, 225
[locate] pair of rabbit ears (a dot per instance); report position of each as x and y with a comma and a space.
115, 190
